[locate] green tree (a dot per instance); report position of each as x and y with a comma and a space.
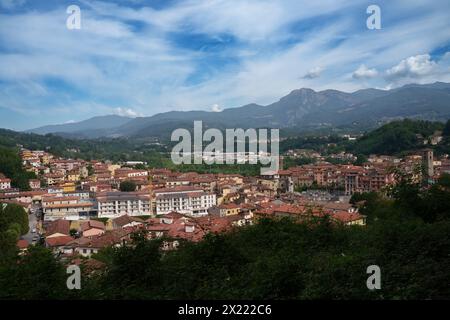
446, 131
90, 170
13, 213
13, 223
127, 186
73, 232
9, 250
36, 275
133, 273
361, 159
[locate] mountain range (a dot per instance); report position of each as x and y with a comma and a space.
300, 110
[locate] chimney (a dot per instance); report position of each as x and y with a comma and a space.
165, 220
189, 228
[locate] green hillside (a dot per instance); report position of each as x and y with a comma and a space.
87, 149
396, 137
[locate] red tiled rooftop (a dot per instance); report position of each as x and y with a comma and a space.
229, 206
58, 226
58, 241
22, 244
86, 225
178, 189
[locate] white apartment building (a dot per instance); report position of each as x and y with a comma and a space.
66, 207
186, 200
124, 173
115, 204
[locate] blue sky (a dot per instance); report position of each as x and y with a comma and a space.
139, 58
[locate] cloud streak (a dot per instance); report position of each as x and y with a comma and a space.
141, 60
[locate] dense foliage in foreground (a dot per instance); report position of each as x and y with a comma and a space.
13, 224
283, 260
271, 260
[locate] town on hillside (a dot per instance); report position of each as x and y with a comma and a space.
78, 207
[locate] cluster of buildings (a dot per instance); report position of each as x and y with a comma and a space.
84, 238
83, 210
316, 156
377, 173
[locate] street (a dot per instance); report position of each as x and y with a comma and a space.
32, 221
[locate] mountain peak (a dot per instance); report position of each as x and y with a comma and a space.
434, 85
94, 123
302, 91
301, 108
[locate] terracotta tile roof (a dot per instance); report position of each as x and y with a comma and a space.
215, 224
178, 230
89, 264
193, 194
70, 205
22, 244
158, 227
229, 206
272, 209
337, 206
152, 220
122, 196
57, 226
83, 241
58, 241
23, 194
178, 189
107, 239
92, 224
174, 215
126, 219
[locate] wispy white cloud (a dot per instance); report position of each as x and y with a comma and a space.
364, 73
10, 4
216, 108
313, 73
126, 112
